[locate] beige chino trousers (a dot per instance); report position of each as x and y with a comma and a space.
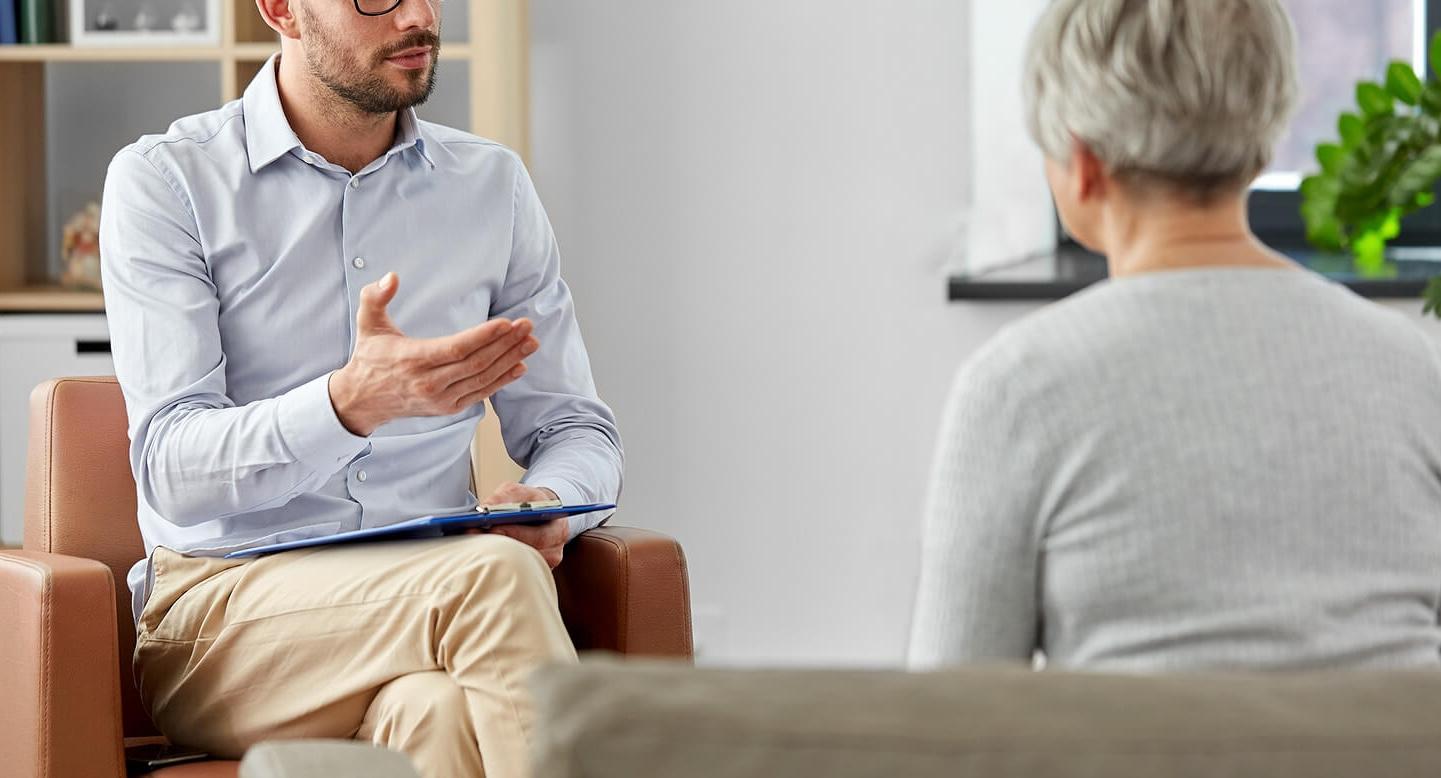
419, 645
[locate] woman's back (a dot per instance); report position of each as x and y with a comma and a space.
1220, 468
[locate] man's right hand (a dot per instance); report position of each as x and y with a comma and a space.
390, 375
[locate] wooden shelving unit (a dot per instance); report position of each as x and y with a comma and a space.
495, 57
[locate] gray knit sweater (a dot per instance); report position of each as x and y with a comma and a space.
1200, 469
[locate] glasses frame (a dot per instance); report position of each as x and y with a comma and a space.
392, 7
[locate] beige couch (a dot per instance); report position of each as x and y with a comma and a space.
604, 720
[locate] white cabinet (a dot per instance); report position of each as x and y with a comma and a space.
33, 348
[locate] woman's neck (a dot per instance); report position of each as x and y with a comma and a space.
1163, 235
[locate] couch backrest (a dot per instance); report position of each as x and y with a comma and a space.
80, 498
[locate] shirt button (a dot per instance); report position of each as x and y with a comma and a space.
359, 263
360, 476
354, 183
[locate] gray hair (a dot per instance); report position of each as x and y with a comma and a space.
1189, 94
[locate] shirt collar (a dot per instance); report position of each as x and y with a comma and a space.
412, 134
268, 136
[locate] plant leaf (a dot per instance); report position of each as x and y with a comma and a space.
1352, 129
1417, 177
1373, 99
1386, 165
1379, 127
1432, 295
1318, 210
1370, 251
1331, 157
1436, 54
1402, 83
1369, 243
1325, 235
1320, 187
1431, 99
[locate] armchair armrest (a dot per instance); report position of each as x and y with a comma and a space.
61, 716
626, 590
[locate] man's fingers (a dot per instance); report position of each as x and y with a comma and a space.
497, 356
489, 390
511, 492
548, 538
371, 317
475, 398
486, 370
540, 536
464, 344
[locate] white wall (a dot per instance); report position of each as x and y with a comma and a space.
1011, 216
756, 202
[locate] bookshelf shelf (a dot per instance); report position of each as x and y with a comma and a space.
254, 52
493, 56
50, 299
64, 52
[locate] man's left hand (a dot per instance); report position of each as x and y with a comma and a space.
548, 538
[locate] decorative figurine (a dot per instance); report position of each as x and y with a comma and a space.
144, 18
80, 248
187, 19
106, 19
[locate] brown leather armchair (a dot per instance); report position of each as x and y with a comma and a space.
70, 703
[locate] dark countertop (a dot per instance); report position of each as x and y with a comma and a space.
1070, 269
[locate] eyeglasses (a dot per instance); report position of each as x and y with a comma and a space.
383, 7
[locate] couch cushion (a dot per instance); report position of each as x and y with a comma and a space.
609, 719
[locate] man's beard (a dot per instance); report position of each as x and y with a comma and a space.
337, 69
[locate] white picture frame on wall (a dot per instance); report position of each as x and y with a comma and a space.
144, 23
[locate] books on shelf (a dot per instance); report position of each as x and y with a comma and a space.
32, 21
9, 23
37, 22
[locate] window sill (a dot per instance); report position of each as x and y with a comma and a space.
1069, 269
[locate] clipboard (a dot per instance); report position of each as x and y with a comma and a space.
433, 526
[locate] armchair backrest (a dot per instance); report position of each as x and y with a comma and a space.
80, 498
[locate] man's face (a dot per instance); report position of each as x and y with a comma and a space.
379, 64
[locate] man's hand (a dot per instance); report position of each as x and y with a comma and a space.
548, 538
391, 376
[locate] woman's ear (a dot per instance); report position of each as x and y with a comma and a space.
279, 16
1088, 174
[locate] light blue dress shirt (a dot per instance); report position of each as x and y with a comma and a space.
233, 260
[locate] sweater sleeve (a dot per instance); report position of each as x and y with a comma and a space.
979, 578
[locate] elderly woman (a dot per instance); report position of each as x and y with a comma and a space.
1215, 459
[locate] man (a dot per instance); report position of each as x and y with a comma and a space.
310, 294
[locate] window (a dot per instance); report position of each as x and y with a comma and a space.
1339, 42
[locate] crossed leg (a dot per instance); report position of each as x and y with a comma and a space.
355, 641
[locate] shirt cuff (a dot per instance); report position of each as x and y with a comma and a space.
570, 494
312, 430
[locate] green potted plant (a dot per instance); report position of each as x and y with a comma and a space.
1384, 167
